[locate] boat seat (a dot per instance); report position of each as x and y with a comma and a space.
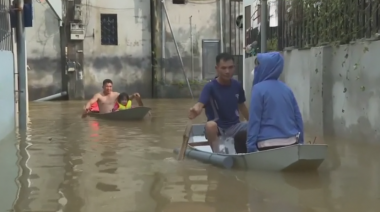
201, 143
198, 140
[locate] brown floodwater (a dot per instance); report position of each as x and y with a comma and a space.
68, 164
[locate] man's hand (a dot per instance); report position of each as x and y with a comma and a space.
85, 112
137, 97
85, 109
195, 110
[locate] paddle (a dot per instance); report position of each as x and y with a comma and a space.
185, 141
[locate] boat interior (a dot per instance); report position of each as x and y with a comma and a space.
197, 136
226, 145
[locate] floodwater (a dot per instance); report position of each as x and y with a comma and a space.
69, 164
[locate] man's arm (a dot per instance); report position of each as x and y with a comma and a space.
137, 97
255, 111
139, 101
242, 107
244, 111
205, 96
202, 101
91, 101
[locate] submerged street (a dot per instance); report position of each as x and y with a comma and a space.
69, 164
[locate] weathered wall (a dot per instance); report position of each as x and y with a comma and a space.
205, 24
129, 63
7, 94
43, 53
337, 89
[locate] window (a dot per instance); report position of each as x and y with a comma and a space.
248, 17
108, 28
179, 1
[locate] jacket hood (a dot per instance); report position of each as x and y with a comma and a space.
270, 67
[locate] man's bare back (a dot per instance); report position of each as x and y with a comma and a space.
106, 102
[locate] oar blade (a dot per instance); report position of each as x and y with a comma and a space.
185, 141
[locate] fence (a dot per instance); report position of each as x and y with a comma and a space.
308, 23
5, 26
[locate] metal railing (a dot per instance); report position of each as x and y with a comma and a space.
310, 23
6, 43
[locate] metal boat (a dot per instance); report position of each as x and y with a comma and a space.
136, 113
299, 157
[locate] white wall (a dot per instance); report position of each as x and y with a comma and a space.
8, 156
7, 94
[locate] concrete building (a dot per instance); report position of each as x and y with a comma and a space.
117, 43
44, 60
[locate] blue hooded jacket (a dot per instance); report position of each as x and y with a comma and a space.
274, 111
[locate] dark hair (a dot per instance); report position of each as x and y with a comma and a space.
224, 56
240, 142
122, 96
106, 81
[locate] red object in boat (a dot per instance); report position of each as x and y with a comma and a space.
95, 107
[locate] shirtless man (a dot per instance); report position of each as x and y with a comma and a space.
106, 99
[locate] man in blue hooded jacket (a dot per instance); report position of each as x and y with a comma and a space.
274, 117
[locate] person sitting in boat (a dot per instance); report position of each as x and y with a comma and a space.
222, 98
105, 100
124, 101
275, 119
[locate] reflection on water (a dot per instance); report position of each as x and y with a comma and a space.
70, 164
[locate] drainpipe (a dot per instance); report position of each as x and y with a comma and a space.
51, 97
163, 42
192, 49
264, 28
21, 65
221, 25
15, 71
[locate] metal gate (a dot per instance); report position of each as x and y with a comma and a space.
5, 26
233, 34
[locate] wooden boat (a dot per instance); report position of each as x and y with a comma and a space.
289, 158
136, 113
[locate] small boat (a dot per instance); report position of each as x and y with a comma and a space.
299, 157
136, 113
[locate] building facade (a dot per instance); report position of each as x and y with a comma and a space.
130, 42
